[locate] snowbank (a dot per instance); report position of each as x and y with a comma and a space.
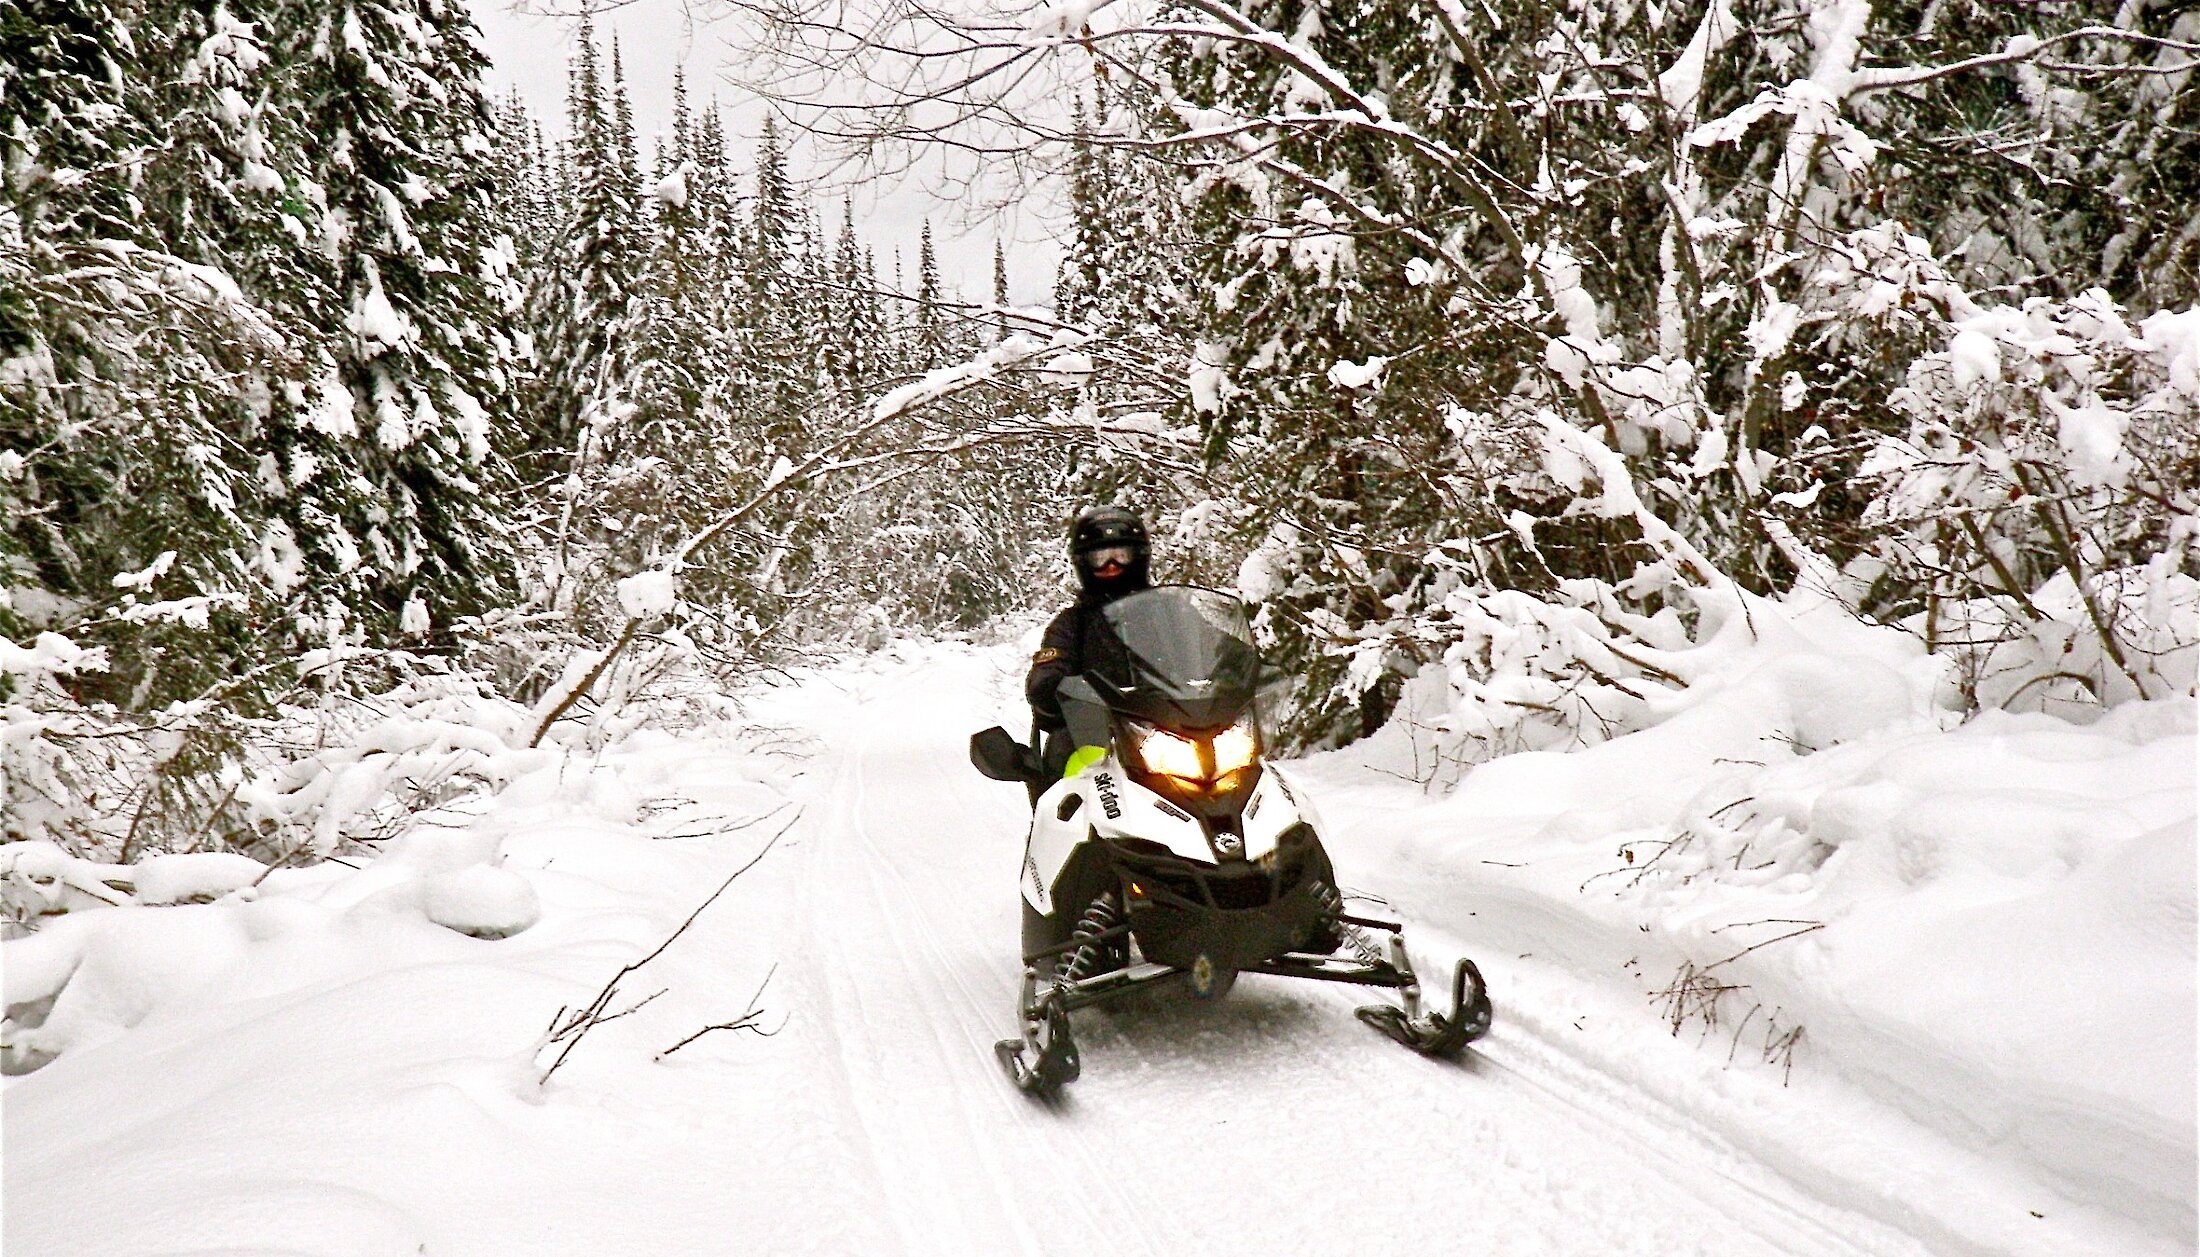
352, 1053
1987, 926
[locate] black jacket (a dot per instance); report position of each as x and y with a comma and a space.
1076, 641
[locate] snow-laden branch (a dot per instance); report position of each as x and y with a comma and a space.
2018, 48
1353, 109
1014, 351
1617, 497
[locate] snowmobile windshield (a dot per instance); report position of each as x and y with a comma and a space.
1189, 653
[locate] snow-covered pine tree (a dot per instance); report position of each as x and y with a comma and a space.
1078, 278
626, 156
718, 200
771, 225
182, 460
933, 324
856, 327
672, 364
522, 184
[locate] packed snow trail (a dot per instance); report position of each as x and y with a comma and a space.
340, 1076
1271, 1122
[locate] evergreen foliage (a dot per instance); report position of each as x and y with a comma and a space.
1428, 327
400, 135
579, 303
248, 317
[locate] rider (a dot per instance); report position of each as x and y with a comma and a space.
1107, 548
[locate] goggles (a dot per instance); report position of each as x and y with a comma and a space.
1121, 556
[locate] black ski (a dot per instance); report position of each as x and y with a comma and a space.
1052, 1053
1441, 1035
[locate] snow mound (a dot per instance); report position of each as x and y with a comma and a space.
482, 902
647, 594
195, 877
90, 975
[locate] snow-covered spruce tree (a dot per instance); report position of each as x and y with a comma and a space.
680, 346
1079, 280
523, 188
775, 343
389, 479
856, 325
579, 302
999, 331
1123, 281
172, 457
678, 461
134, 370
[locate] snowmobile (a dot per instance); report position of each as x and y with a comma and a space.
1172, 852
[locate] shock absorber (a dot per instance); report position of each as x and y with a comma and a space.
1099, 917
1354, 937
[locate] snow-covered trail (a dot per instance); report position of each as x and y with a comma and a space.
324, 1071
1272, 1122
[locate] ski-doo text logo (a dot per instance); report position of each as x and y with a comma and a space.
1105, 784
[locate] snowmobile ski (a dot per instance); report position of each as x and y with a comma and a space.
1441, 1035
1045, 1058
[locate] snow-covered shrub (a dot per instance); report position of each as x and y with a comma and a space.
39, 879
2043, 500
2051, 651
357, 748
1527, 673
173, 925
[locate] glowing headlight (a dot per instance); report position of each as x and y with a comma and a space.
1235, 747
1168, 755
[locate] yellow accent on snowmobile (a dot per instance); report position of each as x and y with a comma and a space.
1081, 759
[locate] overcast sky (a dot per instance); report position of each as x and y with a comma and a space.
530, 53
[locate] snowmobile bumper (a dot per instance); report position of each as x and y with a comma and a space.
1234, 917
1173, 930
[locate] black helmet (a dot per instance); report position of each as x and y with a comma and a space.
1100, 529
1098, 526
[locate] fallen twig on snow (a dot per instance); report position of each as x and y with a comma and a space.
568, 1026
746, 1021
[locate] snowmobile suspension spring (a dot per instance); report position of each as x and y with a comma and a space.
1354, 937
1098, 919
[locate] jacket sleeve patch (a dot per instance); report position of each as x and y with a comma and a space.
1046, 655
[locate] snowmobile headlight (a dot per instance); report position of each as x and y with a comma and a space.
1166, 754
1236, 747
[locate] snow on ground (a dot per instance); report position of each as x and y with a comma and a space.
1985, 928
1994, 993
